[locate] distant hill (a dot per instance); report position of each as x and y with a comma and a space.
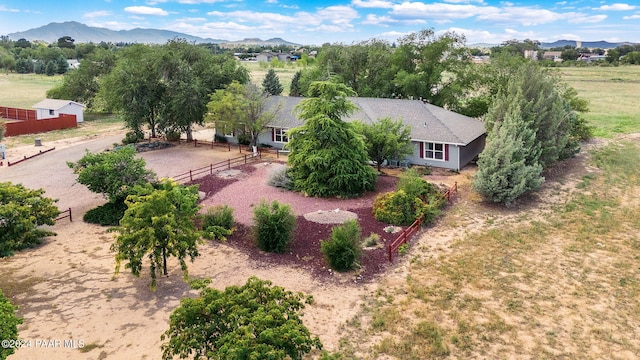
585, 44
82, 33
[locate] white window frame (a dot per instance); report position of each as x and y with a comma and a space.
430, 147
280, 136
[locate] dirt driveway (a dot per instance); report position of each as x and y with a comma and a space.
69, 297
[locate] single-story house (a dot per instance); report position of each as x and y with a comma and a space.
267, 56
52, 108
440, 138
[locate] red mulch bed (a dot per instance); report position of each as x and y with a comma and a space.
305, 249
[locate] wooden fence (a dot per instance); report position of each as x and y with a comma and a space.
17, 114
210, 169
32, 126
406, 234
9, 163
229, 146
68, 215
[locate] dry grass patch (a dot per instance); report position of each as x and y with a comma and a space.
561, 285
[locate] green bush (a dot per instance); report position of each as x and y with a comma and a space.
344, 249
133, 137
414, 185
9, 328
219, 138
172, 135
108, 214
395, 207
273, 226
218, 222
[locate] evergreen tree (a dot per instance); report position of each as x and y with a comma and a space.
508, 167
62, 66
271, 83
294, 89
543, 109
328, 157
50, 70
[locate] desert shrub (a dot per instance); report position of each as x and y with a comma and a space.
343, 250
273, 226
108, 214
133, 137
415, 197
280, 179
9, 328
218, 222
172, 135
414, 185
395, 207
372, 240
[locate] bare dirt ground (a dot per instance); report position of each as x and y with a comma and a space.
66, 289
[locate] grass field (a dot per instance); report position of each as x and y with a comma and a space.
285, 74
613, 94
25, 90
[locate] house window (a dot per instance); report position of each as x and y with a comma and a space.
280, 135
51, 112
435, 151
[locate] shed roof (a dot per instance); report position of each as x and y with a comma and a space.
54, 104
428, 122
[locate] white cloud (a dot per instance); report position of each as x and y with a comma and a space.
272, 1
95, 14
6, 9
580, 18
155, 2
616, 7
632, 17
146, 10
439, 11
373, 19
377, 4
195, 2
527, 16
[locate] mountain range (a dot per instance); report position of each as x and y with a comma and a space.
82, 33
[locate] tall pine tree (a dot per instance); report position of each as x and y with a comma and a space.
328, 157
271, 83
294, 89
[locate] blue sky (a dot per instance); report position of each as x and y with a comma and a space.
343, 21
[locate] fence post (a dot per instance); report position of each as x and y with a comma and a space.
229, 146
210, 169
70, 218
229, 163
190, 175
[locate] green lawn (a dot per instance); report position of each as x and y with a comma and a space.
25, 90
613, 94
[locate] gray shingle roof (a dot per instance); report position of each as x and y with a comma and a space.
428, 122
54, 104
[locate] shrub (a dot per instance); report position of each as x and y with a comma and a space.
244, 139
279, 178
344, 248
172, 135
372, 240
395, 207
133, 137
414, 185
219, 138
218, 222
273, 226
9, 328
108, 214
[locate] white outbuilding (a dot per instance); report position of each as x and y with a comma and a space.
52, 108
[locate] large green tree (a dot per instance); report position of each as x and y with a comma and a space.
543, 109
385, 139
158, 223
134, 87
112, 174
328, 157
255, 321
9, 328
507, 168
242, 109
22, 213
83, 84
